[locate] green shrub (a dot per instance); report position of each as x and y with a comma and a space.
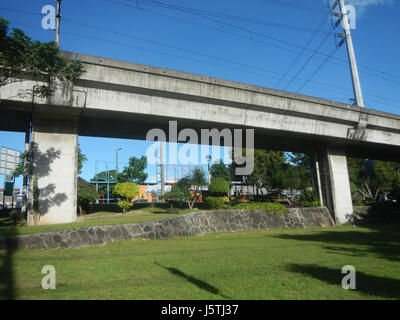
358, 202
226, 199
5, 212
18, 217
219, 186
273, 208
86, 194
125, 205
127, 191
215, 202
309, 196
313, 204
173, 210
309, 199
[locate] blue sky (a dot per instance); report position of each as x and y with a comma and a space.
261, 42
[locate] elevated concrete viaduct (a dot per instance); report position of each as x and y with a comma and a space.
124, 100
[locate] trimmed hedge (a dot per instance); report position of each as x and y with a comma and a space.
209, 203
219, 187
312, 204
18, 218
113, 207
273, 208
215, 202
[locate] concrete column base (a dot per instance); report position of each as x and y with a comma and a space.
53, 176
335, 184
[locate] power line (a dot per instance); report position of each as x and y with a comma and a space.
262, 73
239, 28
307, 62
342, 61
219, 30
222, 31
229, 17
382, 73
296, 59
193, 52
190, 11
316, 71
321, 86
159, 52
206, 27
171, 46
292, 5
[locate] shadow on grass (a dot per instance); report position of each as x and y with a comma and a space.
7, 227
383, 242
42, 200
197, 282
372, 285
7, 281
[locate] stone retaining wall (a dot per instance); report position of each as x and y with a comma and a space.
378, 214
197, 223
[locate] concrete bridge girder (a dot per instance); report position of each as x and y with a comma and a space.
124, 100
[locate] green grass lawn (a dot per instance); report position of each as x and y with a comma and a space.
94, 219
276, 264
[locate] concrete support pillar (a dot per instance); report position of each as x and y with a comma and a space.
53, 172
334, 184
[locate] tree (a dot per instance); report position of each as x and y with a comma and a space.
182, 189
395, 191
107, 175
20, 55
219, 187
263, 176
19, 170
281, 176
296, 178
380, 179
104, 176
301, 160
127, 191
275, 177
198, 181
86, 195
134, 172
219, 169
81, 159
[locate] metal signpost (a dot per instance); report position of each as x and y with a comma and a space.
9, 161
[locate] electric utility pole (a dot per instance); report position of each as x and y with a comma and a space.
162, 174
359, 132
350, 51
58, 18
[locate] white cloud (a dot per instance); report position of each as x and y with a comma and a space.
362, 5
365, 3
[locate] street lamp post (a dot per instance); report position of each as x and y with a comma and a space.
116, 162
208, 157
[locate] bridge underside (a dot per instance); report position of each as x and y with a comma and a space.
55, 140
119, 99
111, 124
